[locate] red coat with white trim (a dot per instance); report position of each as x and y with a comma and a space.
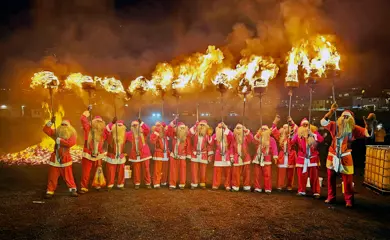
222, 158
200, 148
161, 150
302, 150
112, 148
180, 150
144, 151
87, 150
287, 154
266, 154
65, 159
241, 154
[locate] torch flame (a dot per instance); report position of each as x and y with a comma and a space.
162, 76
77, 80
141, 84
44, 79
111, 84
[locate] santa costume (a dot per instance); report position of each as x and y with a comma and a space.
287, 154
201, 153
60, 162
180, 147
241, 158
221, 143
115, 159
339, 158
159, 139
93, 153
140, 153
266, 150
308, 160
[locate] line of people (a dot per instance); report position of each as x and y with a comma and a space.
289, 147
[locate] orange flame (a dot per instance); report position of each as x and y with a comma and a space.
111, 85
44, 79
77, 80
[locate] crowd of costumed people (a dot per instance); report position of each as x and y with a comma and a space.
291, 147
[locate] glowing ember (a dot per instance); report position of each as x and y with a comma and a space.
111, 84
44, 79
77, 80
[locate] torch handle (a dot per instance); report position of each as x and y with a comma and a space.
243, 122
177, 114
335, 112
162, 109
310, 102
261, 112
116, 128
90, 118
197, 112
55, 127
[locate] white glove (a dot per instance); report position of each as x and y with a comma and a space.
58, 141
315, 137
49, 123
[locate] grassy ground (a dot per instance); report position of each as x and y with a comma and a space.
187, 214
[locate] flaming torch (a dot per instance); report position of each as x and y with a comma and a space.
49, 81
114, 86
161, 79
84, 82
244, 88
222, 81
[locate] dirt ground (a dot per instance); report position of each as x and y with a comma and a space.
180, 214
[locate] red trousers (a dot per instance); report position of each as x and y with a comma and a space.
65, 172
177, 171
282, 174
197, 168
88, 168
111, 172
348, 187
137, 172
265, 173
245, 171
312, 173
160, 173
218, 171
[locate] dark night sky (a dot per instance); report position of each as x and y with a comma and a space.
131, 36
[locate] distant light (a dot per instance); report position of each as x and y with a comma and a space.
3, 107
153, 114
158, 114
23, 106
202, 114
126, 105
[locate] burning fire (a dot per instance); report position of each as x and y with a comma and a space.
141, 84
111, 84
44, 79
77, 80
316, 56
162, 76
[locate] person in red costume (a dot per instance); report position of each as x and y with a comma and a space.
95, 135
140, 153
287, 154
159, 138
221, 143
117, 138
266, 150
178, 131
201, 153
339, 158
308, 160
241, 158
60, 162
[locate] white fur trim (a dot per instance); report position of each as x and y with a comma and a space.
115, 160
182, 185
108, 128
49, 124
324, 122
199, 161
222, 163
156, 133
160, 159
142, 123
58, 141
227, 131
247, 188
192, 130
89, 157
276, 157
366, 133
57, 164
181, 157
140, 160
258, 190
210, 153
194, 185
346, 113
120, 185
86, 113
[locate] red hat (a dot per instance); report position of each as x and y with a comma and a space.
304, 121
163, 124
65, 122
348, 113
135, 122
203, 122
180, 124
265, 127
120, 123
98, 118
